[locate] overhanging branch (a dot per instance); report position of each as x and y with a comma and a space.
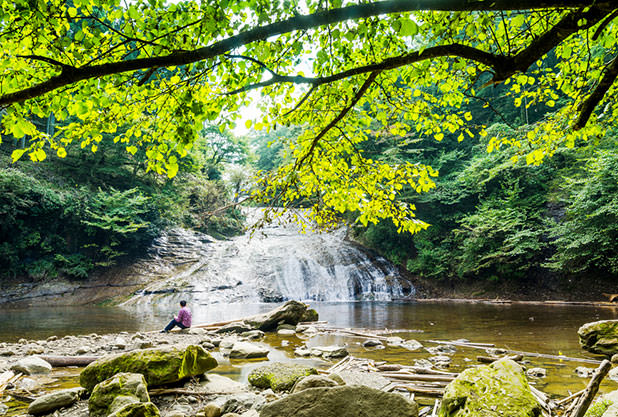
71, 75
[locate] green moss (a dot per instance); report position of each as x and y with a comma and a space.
158, 365
597, 409
599, 337
279, 376
500, 389
137, 410
121, 388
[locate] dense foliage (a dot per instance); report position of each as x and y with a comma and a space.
70, 216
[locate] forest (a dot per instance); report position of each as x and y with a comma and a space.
464, 159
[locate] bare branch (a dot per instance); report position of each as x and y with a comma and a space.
588, 106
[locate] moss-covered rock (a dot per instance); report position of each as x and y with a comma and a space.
137, 410
599, 337
279, 376
495, 390
310, 315
116, 392
341, 401
158, 365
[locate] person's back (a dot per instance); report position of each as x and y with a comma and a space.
184, 316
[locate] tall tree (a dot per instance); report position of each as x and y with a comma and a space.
410, 65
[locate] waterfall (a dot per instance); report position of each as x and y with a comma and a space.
275, 263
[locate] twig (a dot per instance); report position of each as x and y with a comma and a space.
593, 386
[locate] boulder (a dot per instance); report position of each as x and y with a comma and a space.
158, 365
313, 381
495, 390
341, 401
253, 334
137, 410
310, 315
372, 343
599, 337
53, 401
32, 365
291, 312
115, 393
246, 350
279, 376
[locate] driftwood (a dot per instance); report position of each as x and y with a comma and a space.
463, 344
418, 377
491, 359
427, 392
7, 378
182, 391
61, 361
593, 386
569, 398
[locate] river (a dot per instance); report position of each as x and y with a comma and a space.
548, 329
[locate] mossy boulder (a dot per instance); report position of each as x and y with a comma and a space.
137, 410
599, 337
310, 315
496, 390
291, 312
279, 376
116, 392
158, 365
341, 401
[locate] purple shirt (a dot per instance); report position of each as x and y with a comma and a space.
184, 316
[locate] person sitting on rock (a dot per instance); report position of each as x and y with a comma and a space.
183, 320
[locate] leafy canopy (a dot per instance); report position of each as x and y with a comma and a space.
162, 70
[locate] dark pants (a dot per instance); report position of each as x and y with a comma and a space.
173, 323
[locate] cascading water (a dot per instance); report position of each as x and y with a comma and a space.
277, 263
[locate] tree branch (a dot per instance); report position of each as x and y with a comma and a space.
45, 59
303, 22
588, 106
359, 94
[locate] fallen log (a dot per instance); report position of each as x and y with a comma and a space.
418, 377
591, 389
62, 361
492, 359
463, 344
427, 392
182, 391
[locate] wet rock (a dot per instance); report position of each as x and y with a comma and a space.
239, 403
291, 312
367, 379
310, 315
342, 401
117, 392
613, 374
329, 352
221, 384
207, 345
313, 381
442, 350
496, 351
246, 350
306, 328
196, 330
285, 343
372, 343
120, 343
394, 341
236, 327
441, 361
54, 401
279, 376
495, 390
82, 350
599, 337
32, 365
227, 343
583, 372
536, 372
158, 365
212, 409
412, 345
423, 363
286, 332
34, 350
302, 351
253, 334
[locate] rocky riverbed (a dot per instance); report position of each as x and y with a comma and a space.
271, 381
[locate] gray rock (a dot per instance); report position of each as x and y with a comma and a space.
412, 345
32, 365
228, 342
367, 379
240, 403
246, 350
221, 384
212, 409
328, 352
253, 334
583, 372
599, 337
394, 340
302, 351
286, 332
372, 343
313, 381
342, 401
54, 401
236, 327
536, 372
